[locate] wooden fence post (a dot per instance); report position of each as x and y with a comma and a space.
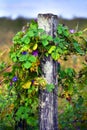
48, 107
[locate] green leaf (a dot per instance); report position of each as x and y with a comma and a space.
56, 40
17, 38
80, 101
27, 65
78, 48
62, 74
30, 33
33, 25
25, 39
52, 48
40, 30
61, 45
78, 33
55, 56
66, 33
63, 30
22, 112
32, 121
69, 71
13, 57
49, 38
2, 65
45, 42
59, 29
60, 51
32, 58
49, 87
24, 48
23, 58
76, 45
44, 36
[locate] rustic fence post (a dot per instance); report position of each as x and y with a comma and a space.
48, 107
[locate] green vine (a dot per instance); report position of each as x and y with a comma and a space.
24, 80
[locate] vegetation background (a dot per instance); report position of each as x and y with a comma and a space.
8, 29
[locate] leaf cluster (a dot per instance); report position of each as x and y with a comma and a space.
29, 47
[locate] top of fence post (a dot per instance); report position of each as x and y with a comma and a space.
48, 22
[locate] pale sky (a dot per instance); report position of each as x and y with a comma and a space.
31, 8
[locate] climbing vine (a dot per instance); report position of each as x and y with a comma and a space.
24, 80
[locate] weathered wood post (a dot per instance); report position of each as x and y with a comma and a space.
48, 107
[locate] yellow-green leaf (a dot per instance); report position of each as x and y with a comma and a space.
51, 49
27, 85
35, 46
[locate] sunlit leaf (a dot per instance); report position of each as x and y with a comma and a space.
45, 42
27, 65
52, 48
35, 46
32, 58
26, 39
27, 85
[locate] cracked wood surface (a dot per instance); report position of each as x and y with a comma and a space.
48, 102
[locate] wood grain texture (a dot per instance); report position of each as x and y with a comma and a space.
48, 102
